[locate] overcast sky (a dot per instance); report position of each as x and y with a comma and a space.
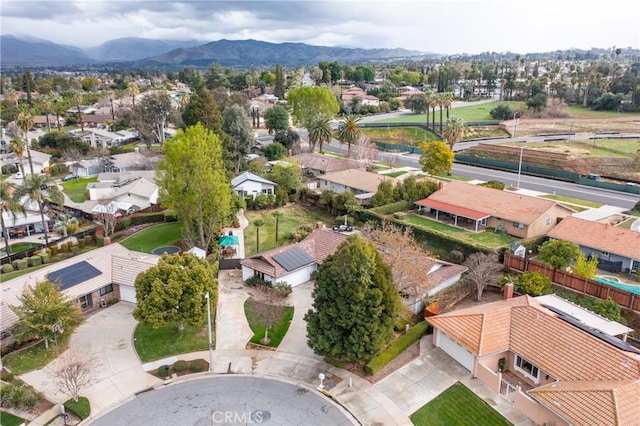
453, 26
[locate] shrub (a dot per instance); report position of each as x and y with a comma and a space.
54, 250
180, 366
45, 258
6, 268
256, 281
163, 371
283, 288
396, 348
198, 365
6, 376
170, 217
123, 223
81, 243
35, 260
300, 233
534, 284
405, 317
20, 264
495, 184
99, 241
19, 395
88, 239
501, 112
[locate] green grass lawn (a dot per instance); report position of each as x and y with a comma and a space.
411, 136
76, 189
578, 111
154, 236
627, 223
457, 406
15, 274
156, 343
8, 419
18, 247
571, 200
257, 324
36, 356
294, 216
81, 408
468, 113
485, 238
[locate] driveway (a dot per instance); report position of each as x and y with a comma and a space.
107, 338
232, 328
295, 341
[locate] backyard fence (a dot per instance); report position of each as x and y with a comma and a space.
575, 282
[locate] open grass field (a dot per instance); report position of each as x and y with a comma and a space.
154, 236
605, 148
486, 238
457, 406
467, 113
77, 188
411, 136
256, 321
294, 216
156, 343
578, 111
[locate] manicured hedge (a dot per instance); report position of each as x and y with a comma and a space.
35, 260
399, 206
397, 347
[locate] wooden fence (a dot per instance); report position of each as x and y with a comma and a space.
574, 282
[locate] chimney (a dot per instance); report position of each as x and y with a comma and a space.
507, 292
319, 225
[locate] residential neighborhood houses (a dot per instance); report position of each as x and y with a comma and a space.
545, 359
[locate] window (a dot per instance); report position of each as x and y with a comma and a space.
528, 369
86, 301
518, 225
605, 253
635, 265
106, 290
267, 191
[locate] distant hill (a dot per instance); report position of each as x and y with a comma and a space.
16, 51
244, 53
133, 48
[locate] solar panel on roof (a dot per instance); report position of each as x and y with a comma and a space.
293, 258
74, 274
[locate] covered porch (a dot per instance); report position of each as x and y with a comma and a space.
461, 217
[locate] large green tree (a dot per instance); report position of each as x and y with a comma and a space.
202, 107
436, 158
278, 89
174, 291
193, 181
310, 103
276, 119
151, 116
355, 303
240, 135
558, 253
41, 307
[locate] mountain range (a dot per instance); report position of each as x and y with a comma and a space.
140, 52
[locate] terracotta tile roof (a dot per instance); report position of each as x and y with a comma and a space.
324, 163
503, 204
598, 236
616, 402
358, 179
319, 244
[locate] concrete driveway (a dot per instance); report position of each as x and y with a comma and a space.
107, 338
295, 341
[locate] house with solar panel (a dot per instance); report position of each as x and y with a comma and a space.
294, 263
91, 280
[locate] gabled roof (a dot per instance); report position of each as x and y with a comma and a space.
358, 179
249, 176
497, 203
324, 163
598, 236
320, 244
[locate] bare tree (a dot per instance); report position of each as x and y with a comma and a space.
74, 374
107, 216
484, 269
269, 307
364, 151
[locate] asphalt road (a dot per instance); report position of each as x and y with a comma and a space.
236, 400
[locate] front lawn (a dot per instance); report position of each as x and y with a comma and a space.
294, 216
81, 408
571, 200
486, 238
36, 356
76, 189
154, 236
252, 311
156, 343
8, 419
457, 406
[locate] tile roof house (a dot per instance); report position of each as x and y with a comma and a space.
477, 207
352, 93
361, 183
249, 184
555, 368
617, 249
293, 263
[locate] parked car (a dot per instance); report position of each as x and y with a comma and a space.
342, 228
68, 177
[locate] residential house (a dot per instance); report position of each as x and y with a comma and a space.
248, 184
90, 279
27, 224
83, 109
314, 164
477, 208
141, 193
54, 121
550, 365
617, 249
40, 160
361, 183
349, 96
293, 263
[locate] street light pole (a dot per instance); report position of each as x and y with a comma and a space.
520, 166
515, 124
206, 296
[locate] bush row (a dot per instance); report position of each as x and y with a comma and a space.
397, 347
399, 206
143, 218
181, 366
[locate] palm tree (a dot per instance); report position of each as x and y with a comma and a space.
440, 101
454, 131
429, 99
46, 105
448, 100
133, 90
277, 215
17, 146
77, 98
320, 132
65, 224
258, 223
39, 189
9, 203
349, 131
25, 122
56, 99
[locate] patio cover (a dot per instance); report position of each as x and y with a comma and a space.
228, 240
452, 209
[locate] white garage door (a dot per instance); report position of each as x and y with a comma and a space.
128, 293
455, 351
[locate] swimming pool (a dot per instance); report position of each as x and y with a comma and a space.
611, 281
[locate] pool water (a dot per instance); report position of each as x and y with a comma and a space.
628, 287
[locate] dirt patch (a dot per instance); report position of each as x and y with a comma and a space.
489, 295
544, 126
